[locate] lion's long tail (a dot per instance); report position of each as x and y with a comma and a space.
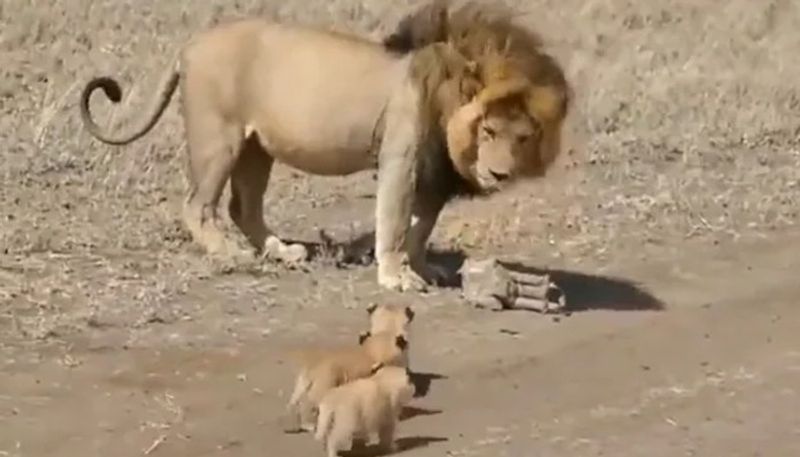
114, 93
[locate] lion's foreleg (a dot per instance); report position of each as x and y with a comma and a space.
397, 176
426, 212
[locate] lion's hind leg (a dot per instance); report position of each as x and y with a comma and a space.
249, 180
213, 145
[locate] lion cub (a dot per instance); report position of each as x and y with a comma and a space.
350, 413
324, 369
392, 318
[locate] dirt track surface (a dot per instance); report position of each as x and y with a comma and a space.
671, 222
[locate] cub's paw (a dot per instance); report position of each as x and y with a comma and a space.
390, 447
290, 423
358, 443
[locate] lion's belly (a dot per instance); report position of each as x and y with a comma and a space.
319, 102
324, 148
329, 161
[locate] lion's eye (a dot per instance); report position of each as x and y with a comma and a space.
488, 131
524, 138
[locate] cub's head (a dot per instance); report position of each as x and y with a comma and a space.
390, 318
511, 129
396, 381
385, 348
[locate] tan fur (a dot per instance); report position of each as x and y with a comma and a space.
367, 406
332, 104
325, 368
392, 318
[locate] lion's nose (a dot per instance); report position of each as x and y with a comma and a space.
499, 176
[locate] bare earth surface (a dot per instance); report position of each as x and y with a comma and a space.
671, 224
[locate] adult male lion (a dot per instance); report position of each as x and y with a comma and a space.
333, 104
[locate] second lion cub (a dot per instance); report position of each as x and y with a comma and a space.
354, 411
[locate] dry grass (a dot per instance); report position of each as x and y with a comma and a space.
685, 125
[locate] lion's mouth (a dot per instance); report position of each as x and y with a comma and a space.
489, 183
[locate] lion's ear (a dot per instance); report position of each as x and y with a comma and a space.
546, 103
371, 308
363, 337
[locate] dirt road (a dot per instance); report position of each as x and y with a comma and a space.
716, 372
682, 175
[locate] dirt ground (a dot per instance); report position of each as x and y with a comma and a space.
670, 223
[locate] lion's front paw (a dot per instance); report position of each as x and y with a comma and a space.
398, 276
404, 281
435, 274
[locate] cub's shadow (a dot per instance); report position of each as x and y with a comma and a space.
410, 412
422, 382
406, 443
422, 386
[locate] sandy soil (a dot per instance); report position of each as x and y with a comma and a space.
670, 223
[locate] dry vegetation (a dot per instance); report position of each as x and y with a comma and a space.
685, 135
685, 126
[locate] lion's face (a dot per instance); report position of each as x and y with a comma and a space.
507, 138
510, 130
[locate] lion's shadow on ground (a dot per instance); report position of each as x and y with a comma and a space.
586, 292
583, 291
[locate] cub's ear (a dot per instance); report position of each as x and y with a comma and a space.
375, 367
371, 308
409, 313
363, 337
401, 342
